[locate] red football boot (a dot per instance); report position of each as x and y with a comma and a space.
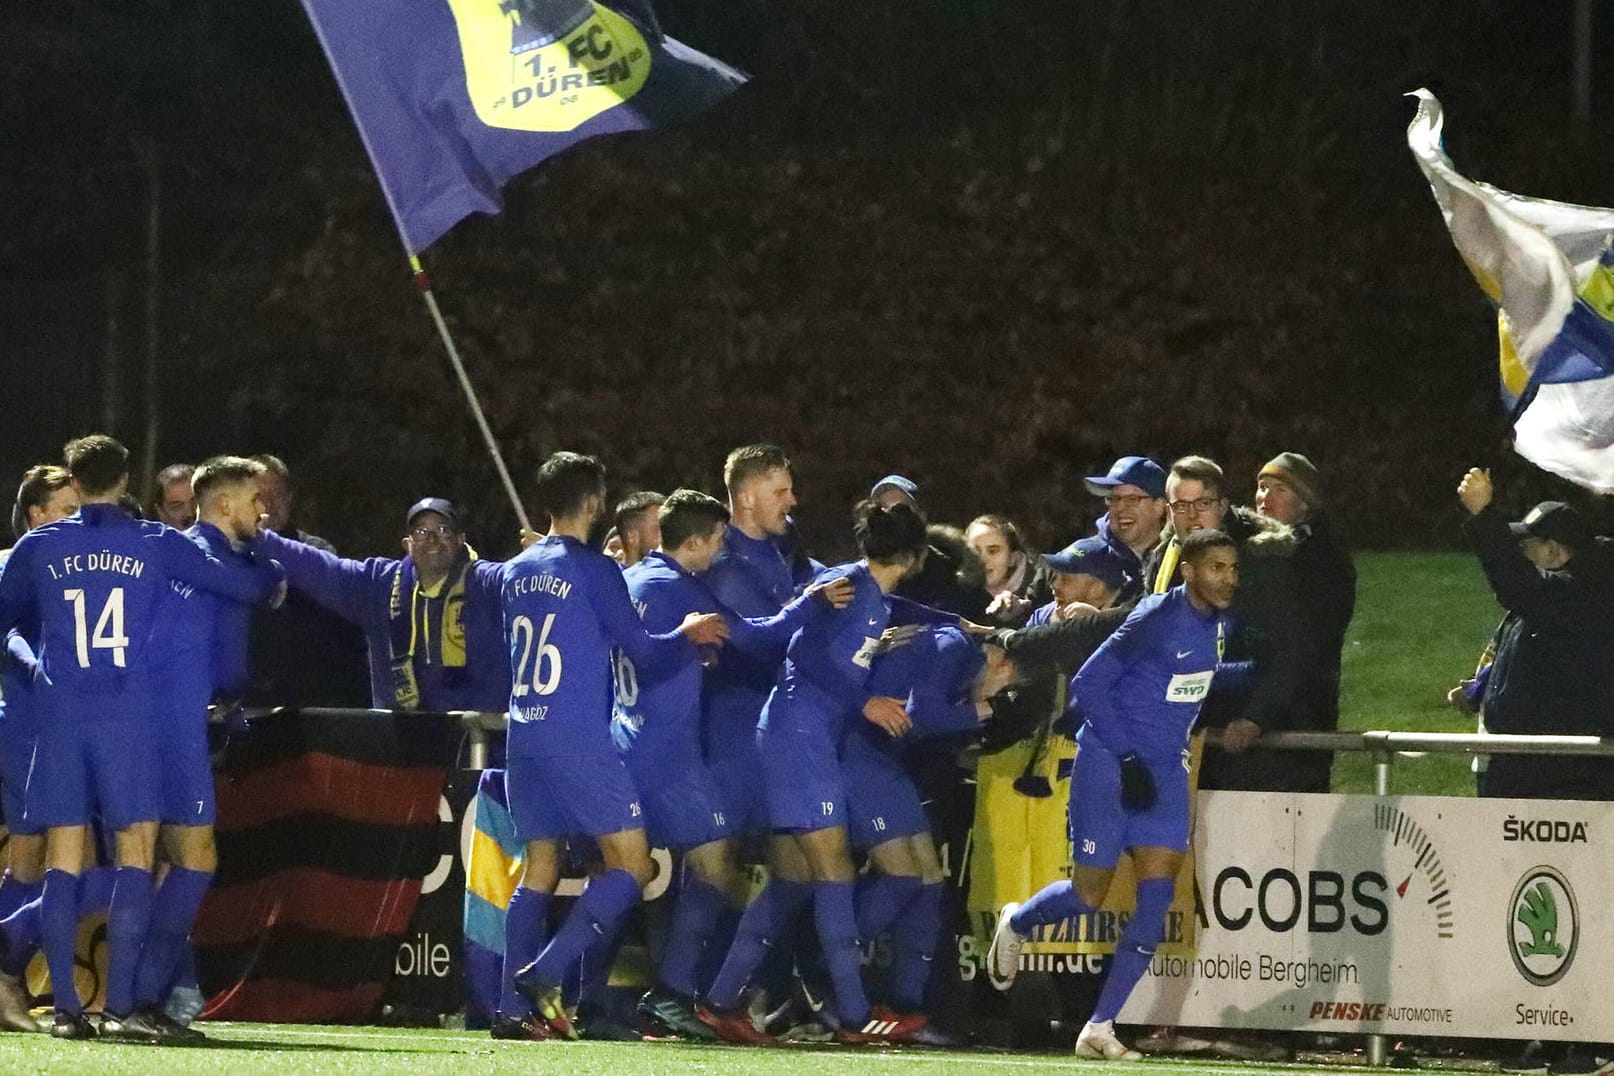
733, 1025
883, 1025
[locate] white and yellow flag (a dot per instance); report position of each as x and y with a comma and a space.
1549, 267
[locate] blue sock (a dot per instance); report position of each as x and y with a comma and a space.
597, 913
58, 936
571, 986
695, 919
773, 912
20, 930
880, 899
914, 939
1050, 904
13, 894
184, 972
717, 947
126, 927
95, 890
594, 969
173, 911
1135, 948
526, 928
837, 940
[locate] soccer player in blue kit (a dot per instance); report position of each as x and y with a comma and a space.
94, 581
657, 726
565, 607
945, 680
45, 496
1140, 693
822, 685
755, 575
206, 643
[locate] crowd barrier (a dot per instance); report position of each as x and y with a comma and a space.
1366, 914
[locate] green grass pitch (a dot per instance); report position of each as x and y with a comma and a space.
276, 1049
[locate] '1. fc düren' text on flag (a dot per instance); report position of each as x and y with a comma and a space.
455, 97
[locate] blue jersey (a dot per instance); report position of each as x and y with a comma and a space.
16, 676
662, 717
204, 637
753, 577
96, 582
826, 671
452, 641
565, 606
1142, 689
932, 673
232, 620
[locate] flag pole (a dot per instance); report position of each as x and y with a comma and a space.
423, 282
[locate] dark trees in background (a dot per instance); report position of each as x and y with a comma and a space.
988, 245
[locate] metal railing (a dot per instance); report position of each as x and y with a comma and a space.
1384, 746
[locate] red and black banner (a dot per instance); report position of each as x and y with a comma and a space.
326, 827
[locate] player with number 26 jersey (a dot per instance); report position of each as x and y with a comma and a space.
565, 606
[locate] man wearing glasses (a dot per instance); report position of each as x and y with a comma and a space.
432, 621
1270, 630
1196, 500
1134, 493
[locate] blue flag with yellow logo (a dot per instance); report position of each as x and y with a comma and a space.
455, 97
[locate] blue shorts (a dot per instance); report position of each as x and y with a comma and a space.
187, 777
571, 795
802, 780
1101, 829
736, 774
82, 766
182, 755
882, 802
682, 807
16, 755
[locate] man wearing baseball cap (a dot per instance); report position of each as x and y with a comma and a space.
1551, 675
432, 621
1134, 492
1064, 633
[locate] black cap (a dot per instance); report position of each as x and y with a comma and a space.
440, 505
1556, 521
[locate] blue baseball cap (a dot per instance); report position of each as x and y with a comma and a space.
1140, 471
896, 481
1090, 556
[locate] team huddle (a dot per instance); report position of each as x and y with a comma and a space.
754, 691
723, 687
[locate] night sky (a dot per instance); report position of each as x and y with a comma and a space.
990, 248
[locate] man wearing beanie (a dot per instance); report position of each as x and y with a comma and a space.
1289, 489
